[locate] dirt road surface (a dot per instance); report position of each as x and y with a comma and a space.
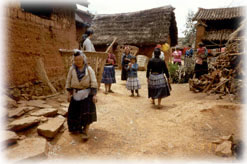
132, 128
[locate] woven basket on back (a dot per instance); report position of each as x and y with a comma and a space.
95, 59
120, 50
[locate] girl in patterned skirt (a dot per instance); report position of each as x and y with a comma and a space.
133, 83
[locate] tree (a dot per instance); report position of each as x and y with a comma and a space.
190, 31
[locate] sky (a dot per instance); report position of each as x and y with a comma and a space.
181, 7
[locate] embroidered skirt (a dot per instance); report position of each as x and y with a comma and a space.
81, 113
158, 86
133, 83
108, 76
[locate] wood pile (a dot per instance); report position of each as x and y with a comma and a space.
227, 74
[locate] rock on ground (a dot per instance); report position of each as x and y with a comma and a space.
28, 149
45, 112
65, 105
38, 103
16, 112
63, 111
224, 149
8, 138
51, 128
23, 123
10, 102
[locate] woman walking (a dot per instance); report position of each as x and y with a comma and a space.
81, 85
125, 61
158, 86
133, 83
108, 76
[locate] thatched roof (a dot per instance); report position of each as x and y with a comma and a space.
219, 13
147, 27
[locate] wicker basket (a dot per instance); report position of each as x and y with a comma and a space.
120, 50
95, 59
142, 62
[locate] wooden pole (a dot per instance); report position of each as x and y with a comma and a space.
108, 49
40, 69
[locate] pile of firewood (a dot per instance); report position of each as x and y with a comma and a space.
226, 76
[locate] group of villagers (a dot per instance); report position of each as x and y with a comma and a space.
82, 84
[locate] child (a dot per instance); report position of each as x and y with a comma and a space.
132, 81
108, 77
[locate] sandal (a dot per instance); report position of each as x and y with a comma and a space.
110, 91
84, 136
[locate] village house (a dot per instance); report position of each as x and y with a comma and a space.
143, 29
83, 22
214, 26
35, 35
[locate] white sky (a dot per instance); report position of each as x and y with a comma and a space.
181, 7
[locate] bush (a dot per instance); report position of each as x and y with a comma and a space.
180, 74
173, 71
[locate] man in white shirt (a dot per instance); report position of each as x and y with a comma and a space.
87, 44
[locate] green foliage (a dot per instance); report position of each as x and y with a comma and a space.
172, 68
181, 74
190, 30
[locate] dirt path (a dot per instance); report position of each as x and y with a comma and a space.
130, 128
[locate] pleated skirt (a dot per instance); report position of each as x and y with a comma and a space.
158, 86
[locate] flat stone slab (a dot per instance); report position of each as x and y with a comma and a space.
52, 127
23, 123
63, 111
8, 137
28, 149
45, 112
38, 103
19, 111
10, 102
65, 105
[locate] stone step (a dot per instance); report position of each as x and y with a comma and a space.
63, 111
52, 127
38, 103
45, 112
23, 123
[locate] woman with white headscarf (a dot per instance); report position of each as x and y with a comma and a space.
81, 85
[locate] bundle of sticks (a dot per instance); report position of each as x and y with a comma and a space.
226, 76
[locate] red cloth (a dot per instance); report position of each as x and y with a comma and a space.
201, 51
111, 59
158, 46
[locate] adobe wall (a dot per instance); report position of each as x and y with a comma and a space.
200, 31
30, 36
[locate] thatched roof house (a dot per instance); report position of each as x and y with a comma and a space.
214, 26
142, 29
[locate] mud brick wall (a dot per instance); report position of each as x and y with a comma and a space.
29, 36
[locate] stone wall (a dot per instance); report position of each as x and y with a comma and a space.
30, 36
